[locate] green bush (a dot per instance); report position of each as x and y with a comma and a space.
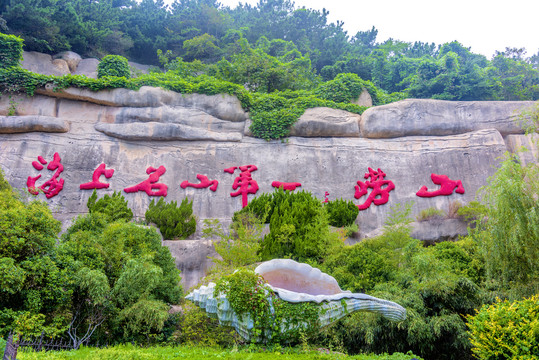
299, 228
509, 237
341, 212
437, 285
506, 330
196, 328
174, 222
10, 50
113, 207
113, 65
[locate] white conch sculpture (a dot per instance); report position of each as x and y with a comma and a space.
296, 282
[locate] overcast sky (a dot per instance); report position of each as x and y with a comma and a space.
483, 25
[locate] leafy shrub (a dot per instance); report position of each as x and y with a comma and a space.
4, 185
113, 65
172, 221
239, 247
113, 207
196, 328
249, 294
10, 50
509, 238
430, 213
298, 228
344, 88
506, 330
436, 285
341, 212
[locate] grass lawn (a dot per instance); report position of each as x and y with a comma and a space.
131, 352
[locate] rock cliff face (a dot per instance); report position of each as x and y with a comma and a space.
131, 131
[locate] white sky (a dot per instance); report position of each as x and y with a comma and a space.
483, 25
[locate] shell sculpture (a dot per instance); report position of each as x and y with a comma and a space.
296, 282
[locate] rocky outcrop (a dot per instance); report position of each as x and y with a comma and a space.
440, 229
30, 123
439, 117
87, 67
192, 259
321, 122
69, 62
154, 131
71, 58
44, 64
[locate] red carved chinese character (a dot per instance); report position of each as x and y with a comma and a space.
95, 183
446, 186
150, 184
326, 200
52, 186
290, 186
204, 183
376, 183
244, 182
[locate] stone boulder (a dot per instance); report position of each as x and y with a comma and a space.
139, 68
326, 122
222, 106
71, 58
30, 123
155, 131
43, 64
87, 67
364, 99
438, 117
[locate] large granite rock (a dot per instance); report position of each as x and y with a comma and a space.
322, 121
192, 259
87, 67
30, 123
44, 64
222, 106
71, 58
120, 128
438, 117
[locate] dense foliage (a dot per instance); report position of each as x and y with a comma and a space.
113, 65
174, 222
114, 207
269, 46
341, 213
10, 50
298, 225
506, 330
103, 279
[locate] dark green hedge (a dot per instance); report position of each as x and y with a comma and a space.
10, 50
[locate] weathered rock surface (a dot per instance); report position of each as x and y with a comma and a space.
438, 117
192, 259
525, 146
321, 122
29, 123
87, 67
43, 64
160, 132
436, 230
222, 106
